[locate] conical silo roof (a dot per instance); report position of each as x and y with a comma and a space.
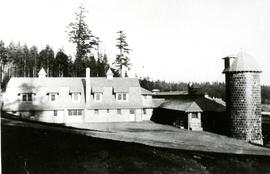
243, 62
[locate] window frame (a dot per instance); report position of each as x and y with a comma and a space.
55, 113
144, 111
131, 111
75, 112
194, 115
24, 97
122, 96
78, 98
119, 111
27, 97
53, 97
96, 98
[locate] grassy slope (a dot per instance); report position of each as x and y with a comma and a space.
58, 152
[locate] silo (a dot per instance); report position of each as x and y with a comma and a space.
243, 101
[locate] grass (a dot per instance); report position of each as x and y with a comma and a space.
50, 151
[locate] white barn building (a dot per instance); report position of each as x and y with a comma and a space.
76, 99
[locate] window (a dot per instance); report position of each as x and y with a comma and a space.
108, 111
24, 97
55, 113
121, 96
119, 111
144, 111
98, 96
96, 111
75, 96
69, 112
52, 97
27, 97
194, 115
131, 111
124, 96
75, 112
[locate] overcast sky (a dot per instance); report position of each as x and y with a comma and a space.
174, 40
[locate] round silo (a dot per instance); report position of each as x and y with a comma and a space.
243, 92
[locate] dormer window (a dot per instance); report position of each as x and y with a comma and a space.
98, 96
52, 96
121, 96
27, 97
75, 96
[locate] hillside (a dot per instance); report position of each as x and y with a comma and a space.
45, 150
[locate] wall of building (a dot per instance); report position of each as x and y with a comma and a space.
194, 123
44, 116
113, 116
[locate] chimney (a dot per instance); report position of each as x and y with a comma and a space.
88, 86
227, 63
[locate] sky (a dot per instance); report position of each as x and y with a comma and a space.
172, 40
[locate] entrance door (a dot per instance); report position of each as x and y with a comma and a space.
132, 115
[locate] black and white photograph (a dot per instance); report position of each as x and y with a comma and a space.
135, 86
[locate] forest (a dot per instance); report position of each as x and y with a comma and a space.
22, 60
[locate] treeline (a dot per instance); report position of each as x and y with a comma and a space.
215, 89
22, 61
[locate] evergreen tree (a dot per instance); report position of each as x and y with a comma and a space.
46, 58
3, 59
122, 59
60, 64
82, 37
33, 57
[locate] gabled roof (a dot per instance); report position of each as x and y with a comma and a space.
169, 93
186, 105
145, 92
243, 62
192, 104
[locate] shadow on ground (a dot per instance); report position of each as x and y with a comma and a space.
47, 152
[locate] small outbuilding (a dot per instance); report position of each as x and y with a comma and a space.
191, 111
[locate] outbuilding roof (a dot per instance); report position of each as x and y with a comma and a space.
146, 92
192, 104
243, 62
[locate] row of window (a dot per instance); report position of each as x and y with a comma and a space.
119, 111
79, 112
75, 112
75, 96
119, 97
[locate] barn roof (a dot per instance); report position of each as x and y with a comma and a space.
70, 85
243, 62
